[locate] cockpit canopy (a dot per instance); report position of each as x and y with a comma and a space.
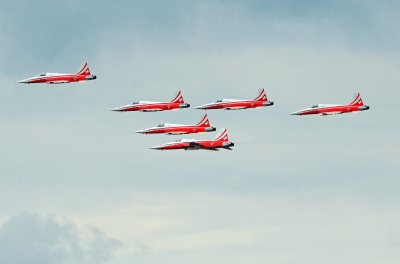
218, 101
161, 125
42, 74
135, 103
314, 106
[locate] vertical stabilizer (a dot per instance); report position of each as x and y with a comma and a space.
204, 122
357, 101
222, 135
262, 96
84, 70
178, 98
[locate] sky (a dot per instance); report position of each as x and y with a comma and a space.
79, 186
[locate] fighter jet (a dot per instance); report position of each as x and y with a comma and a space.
54, 78
221, 141
148, 106
235, 104
174, 129
332, 109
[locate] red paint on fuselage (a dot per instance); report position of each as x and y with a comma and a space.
176, 103
202, 126
54, 78
356, 105
260, 101
221, 141
161, 106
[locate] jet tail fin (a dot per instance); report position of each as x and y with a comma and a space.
204, 122
222, 135
84, 70
357, 100
262, 96
178, 98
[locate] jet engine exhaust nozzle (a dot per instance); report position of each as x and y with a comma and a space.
268, 103
91, 77
210, 129
364, 107
184, 105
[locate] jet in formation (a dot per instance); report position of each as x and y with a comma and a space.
221, 141
147, 106
175, 129
235, 104
54, 78
332, 109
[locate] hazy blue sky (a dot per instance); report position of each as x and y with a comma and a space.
79, 186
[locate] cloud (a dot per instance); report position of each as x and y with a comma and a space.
35, 239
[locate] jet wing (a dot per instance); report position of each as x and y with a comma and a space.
57, 82
235, 108
196, 145
177, 133
152, 110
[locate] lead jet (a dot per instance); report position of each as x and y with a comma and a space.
332, 109
221, 141
235, 104
148, 106
54, 78
174, 129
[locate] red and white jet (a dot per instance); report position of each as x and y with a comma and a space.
332, 109
54, 78
234, 104
174, 129
148, 106
220, 141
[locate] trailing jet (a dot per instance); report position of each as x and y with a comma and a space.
173, 129
54, 78
220, 141
147, 106
234, 104
331, 109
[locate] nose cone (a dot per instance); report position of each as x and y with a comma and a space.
156, 147
202, 107
296, 113
118, 109
23, 81
144, 131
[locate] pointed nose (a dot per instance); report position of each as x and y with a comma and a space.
200, 107
22, 81
296, 113
156, 147
118, 109
141, 131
